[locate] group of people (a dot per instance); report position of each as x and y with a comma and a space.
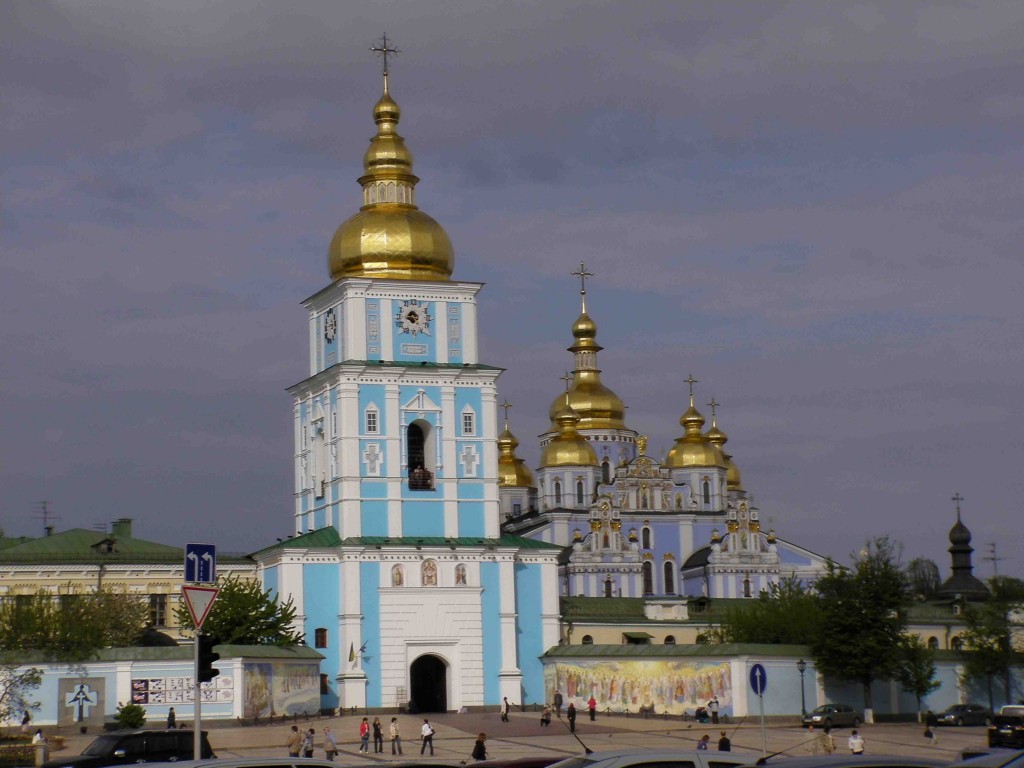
825, 744
703, 714
301, 743
724, 743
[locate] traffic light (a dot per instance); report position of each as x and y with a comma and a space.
206, 671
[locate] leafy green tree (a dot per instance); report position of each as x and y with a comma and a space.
863, 617
16, 686
915, 669
785, 613
130, 715
246, 614
924, 579
989, 636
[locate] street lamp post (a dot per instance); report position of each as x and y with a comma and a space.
802, 667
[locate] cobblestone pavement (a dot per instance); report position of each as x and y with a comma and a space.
524, 735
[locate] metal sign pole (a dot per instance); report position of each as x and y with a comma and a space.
764, 742
197, 710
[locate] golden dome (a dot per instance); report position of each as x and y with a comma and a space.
512, 471
693, 449
568, 448
718, 438
390, 236
595, 404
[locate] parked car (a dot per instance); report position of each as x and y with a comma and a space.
999, 759
849, 761
965, 714
1006, 731
537, 761
654, 759
832, 715
250, 762
126, 747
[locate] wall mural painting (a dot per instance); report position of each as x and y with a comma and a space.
281, 689
653, 686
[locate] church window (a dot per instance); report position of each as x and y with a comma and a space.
606, 472
679, 501
587, 640
605, 542
460, 575
372, 424
158, 610
558, 492
957, 644
608, 587
468, 422
746, 586
579, 491
707, 492
397, 576
933, 643
645, 538
517, 509
320, 637
647, 575
391, 191
325, 686
421, 478
429, 573
670, 639
670, 584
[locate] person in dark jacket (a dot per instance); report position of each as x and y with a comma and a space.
570, 715
480, 747
724, 745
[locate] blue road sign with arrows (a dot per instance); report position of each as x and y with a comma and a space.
201, 563
758, 679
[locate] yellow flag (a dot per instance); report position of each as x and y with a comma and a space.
352, 652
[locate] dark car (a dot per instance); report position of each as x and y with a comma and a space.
1006, 731
965, 714
832, 715
999, 759
126, 747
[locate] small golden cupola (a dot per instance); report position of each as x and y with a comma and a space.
718, 438
390, 237
595, 404
568, 448
512, 471
693, 449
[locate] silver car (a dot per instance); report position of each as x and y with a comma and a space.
654, 759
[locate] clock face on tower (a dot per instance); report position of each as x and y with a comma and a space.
413, 317
330, 325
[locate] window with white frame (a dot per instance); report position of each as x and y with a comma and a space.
371, 420
468, 422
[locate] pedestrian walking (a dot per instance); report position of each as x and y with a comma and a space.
307, 743
856, 744
330, 744
558, 703
378, 736
702, 745
504, 709
931, 728
427, 735
171, 718
713, 709
724, 744
480, 747
545, 715
364, 735
294, 742
592, 708
38, 738
396, 737
570, 715
828, 744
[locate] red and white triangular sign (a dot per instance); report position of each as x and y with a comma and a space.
199, 600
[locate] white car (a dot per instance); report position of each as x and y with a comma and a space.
655, 759
249, 762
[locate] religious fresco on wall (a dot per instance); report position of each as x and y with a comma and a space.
653, 686
281, 689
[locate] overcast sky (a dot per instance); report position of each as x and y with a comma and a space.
815, 208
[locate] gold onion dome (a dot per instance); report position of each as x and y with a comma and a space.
693, 449
595, 404
718, 438
568, 448
512, 471
390, 236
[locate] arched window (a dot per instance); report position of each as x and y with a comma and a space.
933, 643
397, 576
558, 492
605, 542
579, 491
707, 492
957, 644
587, 640
645, 538
670, 640
429, 573
606, 472
670, 582
746, 586
320, 637
608, 587
647, 573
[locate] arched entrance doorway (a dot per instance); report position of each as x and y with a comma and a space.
428, 677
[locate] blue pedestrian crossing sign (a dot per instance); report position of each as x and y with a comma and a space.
201, 563
758, 679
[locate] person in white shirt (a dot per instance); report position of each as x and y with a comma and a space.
427, 734
856, 744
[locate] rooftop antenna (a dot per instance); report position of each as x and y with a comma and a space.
41, 511
994, 559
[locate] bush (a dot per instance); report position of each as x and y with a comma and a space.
130, 716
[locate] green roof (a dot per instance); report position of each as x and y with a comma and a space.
629, 609
632, 650
328, 537
7, 542
79, 545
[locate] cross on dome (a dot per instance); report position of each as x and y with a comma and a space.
506, 405
583, 274
713, 405
691, 381
957, 498
383, 50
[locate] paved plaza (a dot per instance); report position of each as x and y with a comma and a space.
524, 735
